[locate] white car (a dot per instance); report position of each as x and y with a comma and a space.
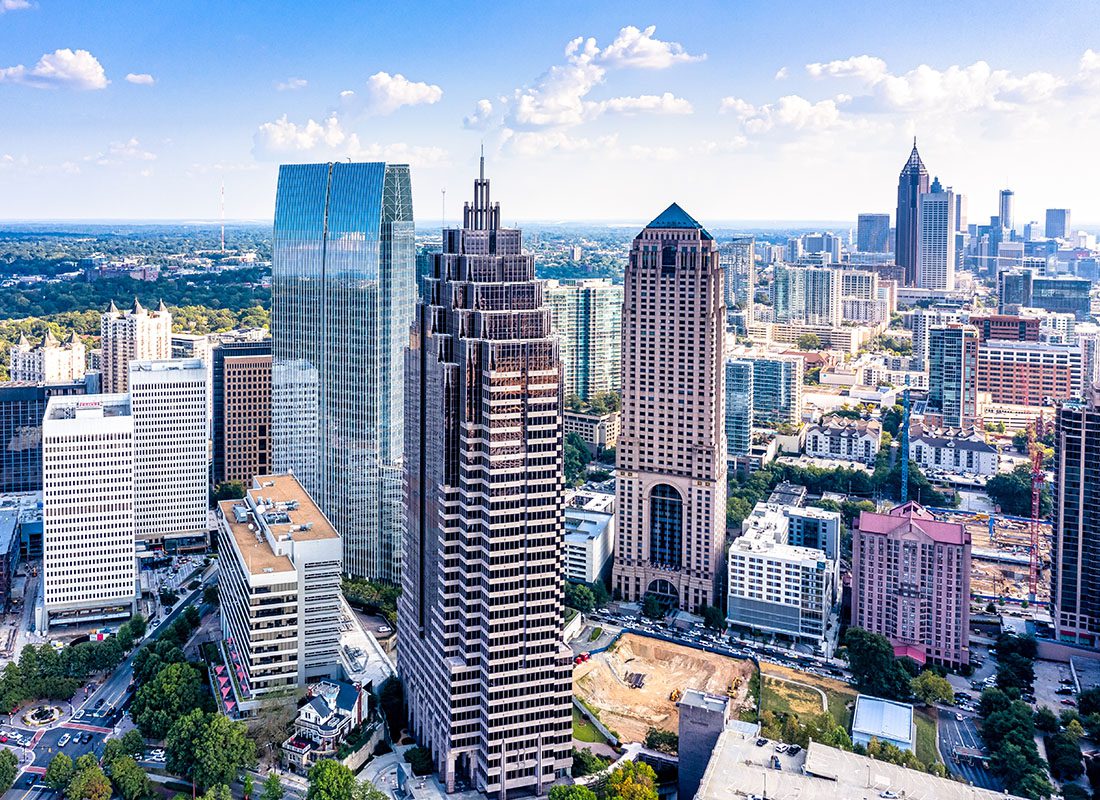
64, 740
79, 713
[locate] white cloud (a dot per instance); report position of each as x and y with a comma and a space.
14, 5
290, 84
781, 74
130, 149
638, 49
869, 68
790, 112
386, 93
329, 139
666, 103
480, 116
64, 68
537, 143
559, 98
140, 78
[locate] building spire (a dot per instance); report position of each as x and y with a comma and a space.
483, 161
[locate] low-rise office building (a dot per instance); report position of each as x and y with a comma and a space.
599, 431
954, 454
280, 590
884, 720
589, 535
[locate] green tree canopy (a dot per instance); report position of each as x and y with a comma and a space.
59, 772
175, 690
272, 788
930, 688
809, 341
1012, 492
330, 780
129, 779
634, 780
874, 667
571, 793
89, 784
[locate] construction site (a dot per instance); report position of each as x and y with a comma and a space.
1001, 555
634, 685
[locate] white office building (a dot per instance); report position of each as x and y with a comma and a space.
784, 573
50, 362
589, 535
936, 238
170, 403
280, 590
88, 565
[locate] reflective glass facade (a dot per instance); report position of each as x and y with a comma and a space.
22, 406
344, 279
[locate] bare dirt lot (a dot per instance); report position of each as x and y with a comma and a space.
604, 683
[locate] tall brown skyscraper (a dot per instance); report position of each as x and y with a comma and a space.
488, 679
912, 183
672, 449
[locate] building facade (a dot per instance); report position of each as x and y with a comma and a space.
170, 401
912, 183
88, 562
849, 439
587, 318
344, 287
1006, 327
672, 450
936, 257
953, 374
279, 589
22, 407
739, 406
248, 400
810, 295
589, 536
1058, 223
487, 675
738, 259
954, 454
50, 362
911, 583
1075, 555
1029, 373
599, 431
127, 336
777, 390
873, 233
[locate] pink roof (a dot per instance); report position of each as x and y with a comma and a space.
910, 651
912, 516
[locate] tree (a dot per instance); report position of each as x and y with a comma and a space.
247, 786
599, 593
576, 459
218, 792
651, 607
228, 490
176, 690
210, 595
585, 762
1014, 671
809, 341
272, 789
664, 741
930, 688
330, 780
713, 617
571, 793
113, 750
365, 790
129, 779
871, 659
222, 750
1045, 720
579, 596
420, 760
60, 771
634, 780
1012, 492
89, 784
1088, 702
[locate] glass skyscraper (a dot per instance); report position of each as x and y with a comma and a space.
344, 279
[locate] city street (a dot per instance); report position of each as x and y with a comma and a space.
952, 734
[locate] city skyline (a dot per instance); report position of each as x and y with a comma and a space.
98, 100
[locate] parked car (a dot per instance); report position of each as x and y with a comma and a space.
64, 740
1064, 690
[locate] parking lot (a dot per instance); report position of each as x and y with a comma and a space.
955, 733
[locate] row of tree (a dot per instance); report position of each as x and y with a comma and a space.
633, 780
372, 596
44, 673
586, 597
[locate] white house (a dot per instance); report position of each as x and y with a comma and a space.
851, 439
956, 454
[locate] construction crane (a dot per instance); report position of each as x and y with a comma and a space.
1034, 432
905, 443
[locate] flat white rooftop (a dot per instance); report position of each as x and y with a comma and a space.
883, 719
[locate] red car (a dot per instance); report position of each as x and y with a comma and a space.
1068, 702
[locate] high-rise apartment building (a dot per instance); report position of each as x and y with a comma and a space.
169, 403
738, 259
810, 295
1057, 223
50, 362
127, 336
1006, 204
88, 564
826, 244
912, 183
953, 374
344, 286
911, 583
777, 389
936, 257
739, 395
240, 430
672, 450
873, 233
586, 316
280, 589
1062, 294
488, 679
22, 407
1075, 556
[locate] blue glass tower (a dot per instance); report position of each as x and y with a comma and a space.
344, 281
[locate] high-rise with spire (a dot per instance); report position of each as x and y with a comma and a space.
672, 448
488, 679
125, 336
912, 183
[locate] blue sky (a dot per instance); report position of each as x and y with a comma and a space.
737, 110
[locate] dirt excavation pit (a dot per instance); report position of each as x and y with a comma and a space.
661, 671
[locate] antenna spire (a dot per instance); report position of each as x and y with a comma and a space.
483, 161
